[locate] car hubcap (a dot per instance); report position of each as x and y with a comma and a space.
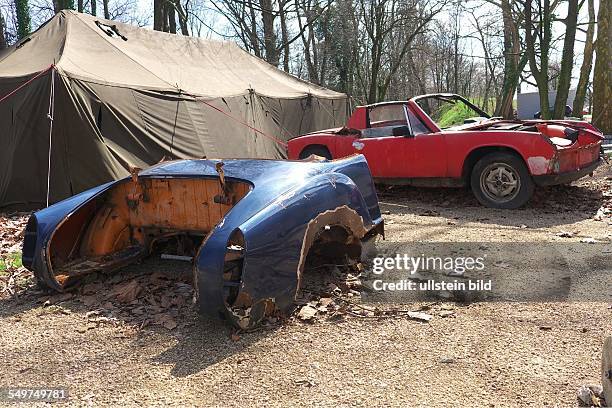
500, 182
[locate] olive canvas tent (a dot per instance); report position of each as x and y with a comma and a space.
120, 96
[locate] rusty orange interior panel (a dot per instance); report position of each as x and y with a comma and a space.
130, 217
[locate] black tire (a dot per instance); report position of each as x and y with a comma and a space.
317, 151
501, 180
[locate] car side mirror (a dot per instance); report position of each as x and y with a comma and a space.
402, 131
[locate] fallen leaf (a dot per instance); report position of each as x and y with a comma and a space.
92, 288
62, 297
234, 337
565, 234
166, 321
420, 316
307, 312
127, 292
90, 300
325, 301
304, 381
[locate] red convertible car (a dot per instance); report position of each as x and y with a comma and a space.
445, 140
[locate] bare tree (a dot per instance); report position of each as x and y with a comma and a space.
268, 17
386, 22
538, 42
587, 63
567, 60
602, 81
282, 14
167, 12
514, 60
3, 43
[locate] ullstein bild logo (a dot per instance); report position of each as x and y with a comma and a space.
432, 285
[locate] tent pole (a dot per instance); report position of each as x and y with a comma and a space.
50, 114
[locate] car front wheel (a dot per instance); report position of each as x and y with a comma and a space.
501, 180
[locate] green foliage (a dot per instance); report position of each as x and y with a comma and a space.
69, 4
12, 261
455, 114
66, 4
23, 18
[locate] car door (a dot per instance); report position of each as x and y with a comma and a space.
385, 142
428, 149
391, 153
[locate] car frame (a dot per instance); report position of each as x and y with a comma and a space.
257, 221
501, 160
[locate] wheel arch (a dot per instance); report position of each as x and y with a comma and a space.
314, 146
478, 153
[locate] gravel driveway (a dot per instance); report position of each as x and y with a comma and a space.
477, 354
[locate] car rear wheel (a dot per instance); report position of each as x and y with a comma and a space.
501, 180
317, 151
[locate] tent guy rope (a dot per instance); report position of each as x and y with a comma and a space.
278, 141
14, 91
50, 115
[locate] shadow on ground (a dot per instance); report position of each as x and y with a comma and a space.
572, 203
161, 311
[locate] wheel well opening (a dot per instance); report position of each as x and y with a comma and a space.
333, 254
477, 154
315, 149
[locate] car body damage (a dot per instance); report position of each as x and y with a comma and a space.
443, 140
247, 225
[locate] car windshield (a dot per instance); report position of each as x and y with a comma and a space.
449, 112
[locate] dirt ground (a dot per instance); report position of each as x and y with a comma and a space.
479, 354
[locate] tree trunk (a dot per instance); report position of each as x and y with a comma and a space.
253, 31
171, 17
544, 32
80, 6
267, 17
165, 26
23, 18
284, 35
602, 81
567, 60
106, 12
157, 15
94, 11
60, 5
512, 63
3, 44
587, 63
182, 17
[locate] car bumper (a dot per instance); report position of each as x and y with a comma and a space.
567, 177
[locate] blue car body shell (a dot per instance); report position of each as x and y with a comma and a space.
288, 205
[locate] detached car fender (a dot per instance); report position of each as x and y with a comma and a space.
256, 219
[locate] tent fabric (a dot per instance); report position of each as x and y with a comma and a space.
127, 96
